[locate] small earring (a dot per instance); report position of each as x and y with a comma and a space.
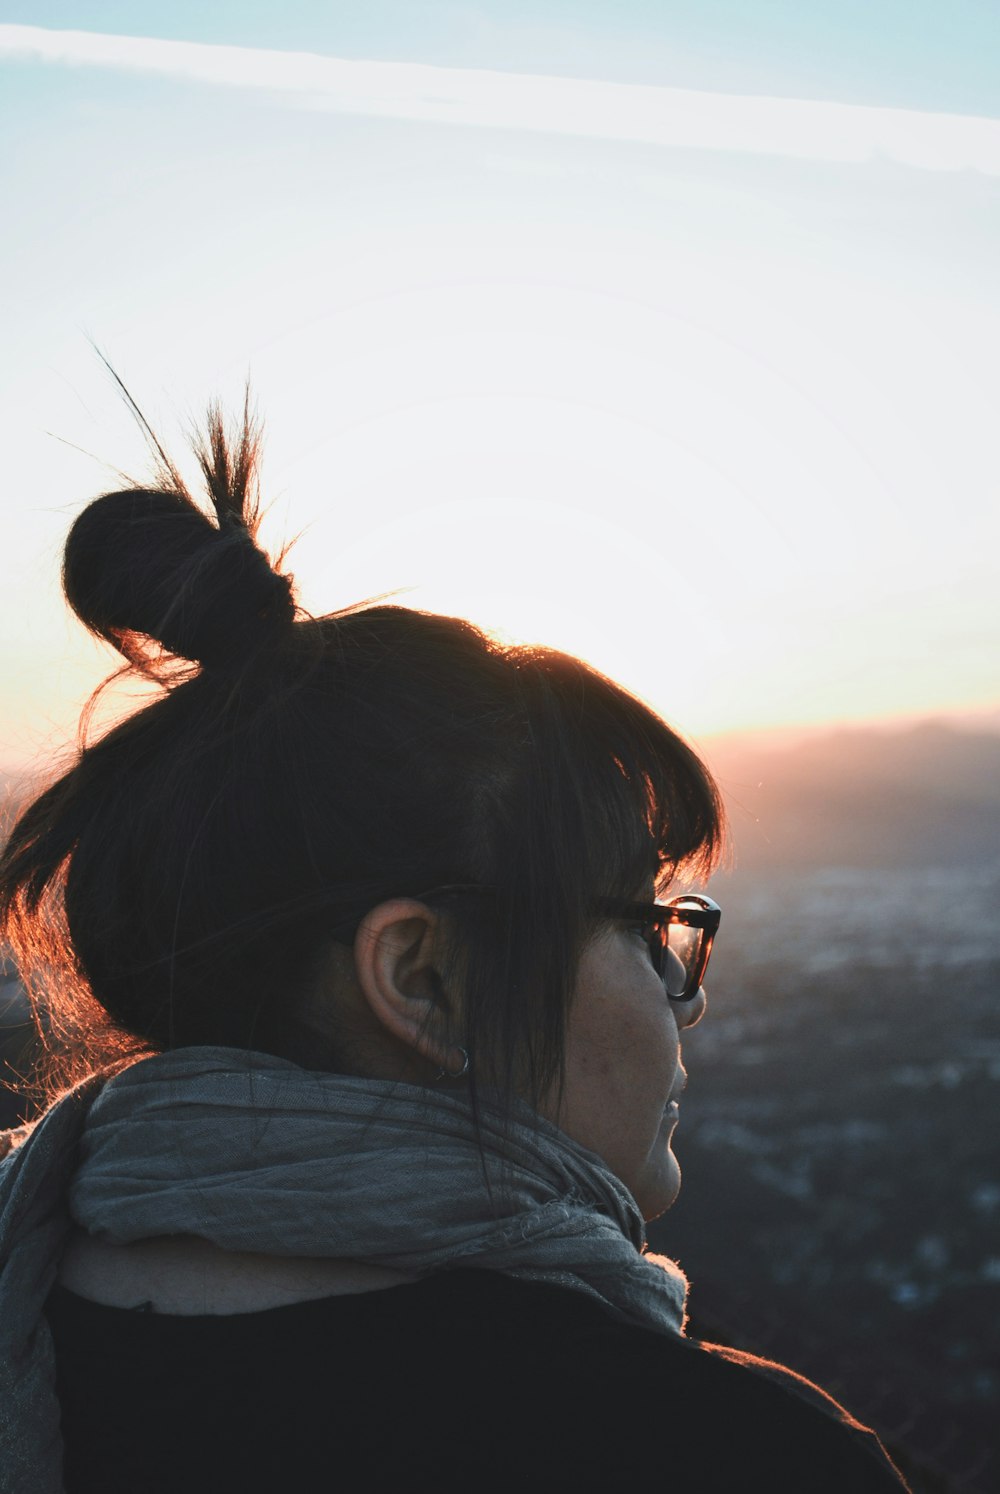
455, 1073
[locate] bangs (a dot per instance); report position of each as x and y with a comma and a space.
639, 807
605, 801
676, 822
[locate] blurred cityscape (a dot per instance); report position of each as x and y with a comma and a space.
839, 1137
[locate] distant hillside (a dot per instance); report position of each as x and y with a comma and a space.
927, 794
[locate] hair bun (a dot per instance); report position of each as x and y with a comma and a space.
147, 564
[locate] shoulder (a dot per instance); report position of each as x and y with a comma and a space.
708, 1413
786, 1379
507, 1384
800, 1417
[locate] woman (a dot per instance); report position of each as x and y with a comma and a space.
375, 1023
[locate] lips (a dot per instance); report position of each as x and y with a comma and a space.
673, 1099
677, 1091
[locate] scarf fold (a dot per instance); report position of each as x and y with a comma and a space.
255, 1154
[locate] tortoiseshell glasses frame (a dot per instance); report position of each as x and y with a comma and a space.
679, 931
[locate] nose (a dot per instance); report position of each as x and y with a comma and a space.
690, 1013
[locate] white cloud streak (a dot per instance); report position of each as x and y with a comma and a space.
672, 117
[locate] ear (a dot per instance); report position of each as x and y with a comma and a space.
397, 951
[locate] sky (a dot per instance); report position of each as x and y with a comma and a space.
665, 333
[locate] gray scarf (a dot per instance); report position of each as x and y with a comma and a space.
255, 1154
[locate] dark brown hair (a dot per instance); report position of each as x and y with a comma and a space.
178, 884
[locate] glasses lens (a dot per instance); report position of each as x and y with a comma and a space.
683, 949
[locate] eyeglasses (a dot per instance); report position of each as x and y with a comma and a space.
679, 933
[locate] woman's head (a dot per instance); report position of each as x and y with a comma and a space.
201, 864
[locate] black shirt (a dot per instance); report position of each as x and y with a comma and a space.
468, 1380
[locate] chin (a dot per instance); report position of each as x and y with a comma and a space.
656, 1195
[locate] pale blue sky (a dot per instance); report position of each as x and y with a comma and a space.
917, 54
608, 366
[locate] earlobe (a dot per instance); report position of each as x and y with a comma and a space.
396, 953
458, 1072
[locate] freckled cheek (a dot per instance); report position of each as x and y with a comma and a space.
597, 1057
645, 1061
662, 1054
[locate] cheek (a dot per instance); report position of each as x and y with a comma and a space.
626, 1058
621, 1055
646, 1056
648, 1036
641, 1032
